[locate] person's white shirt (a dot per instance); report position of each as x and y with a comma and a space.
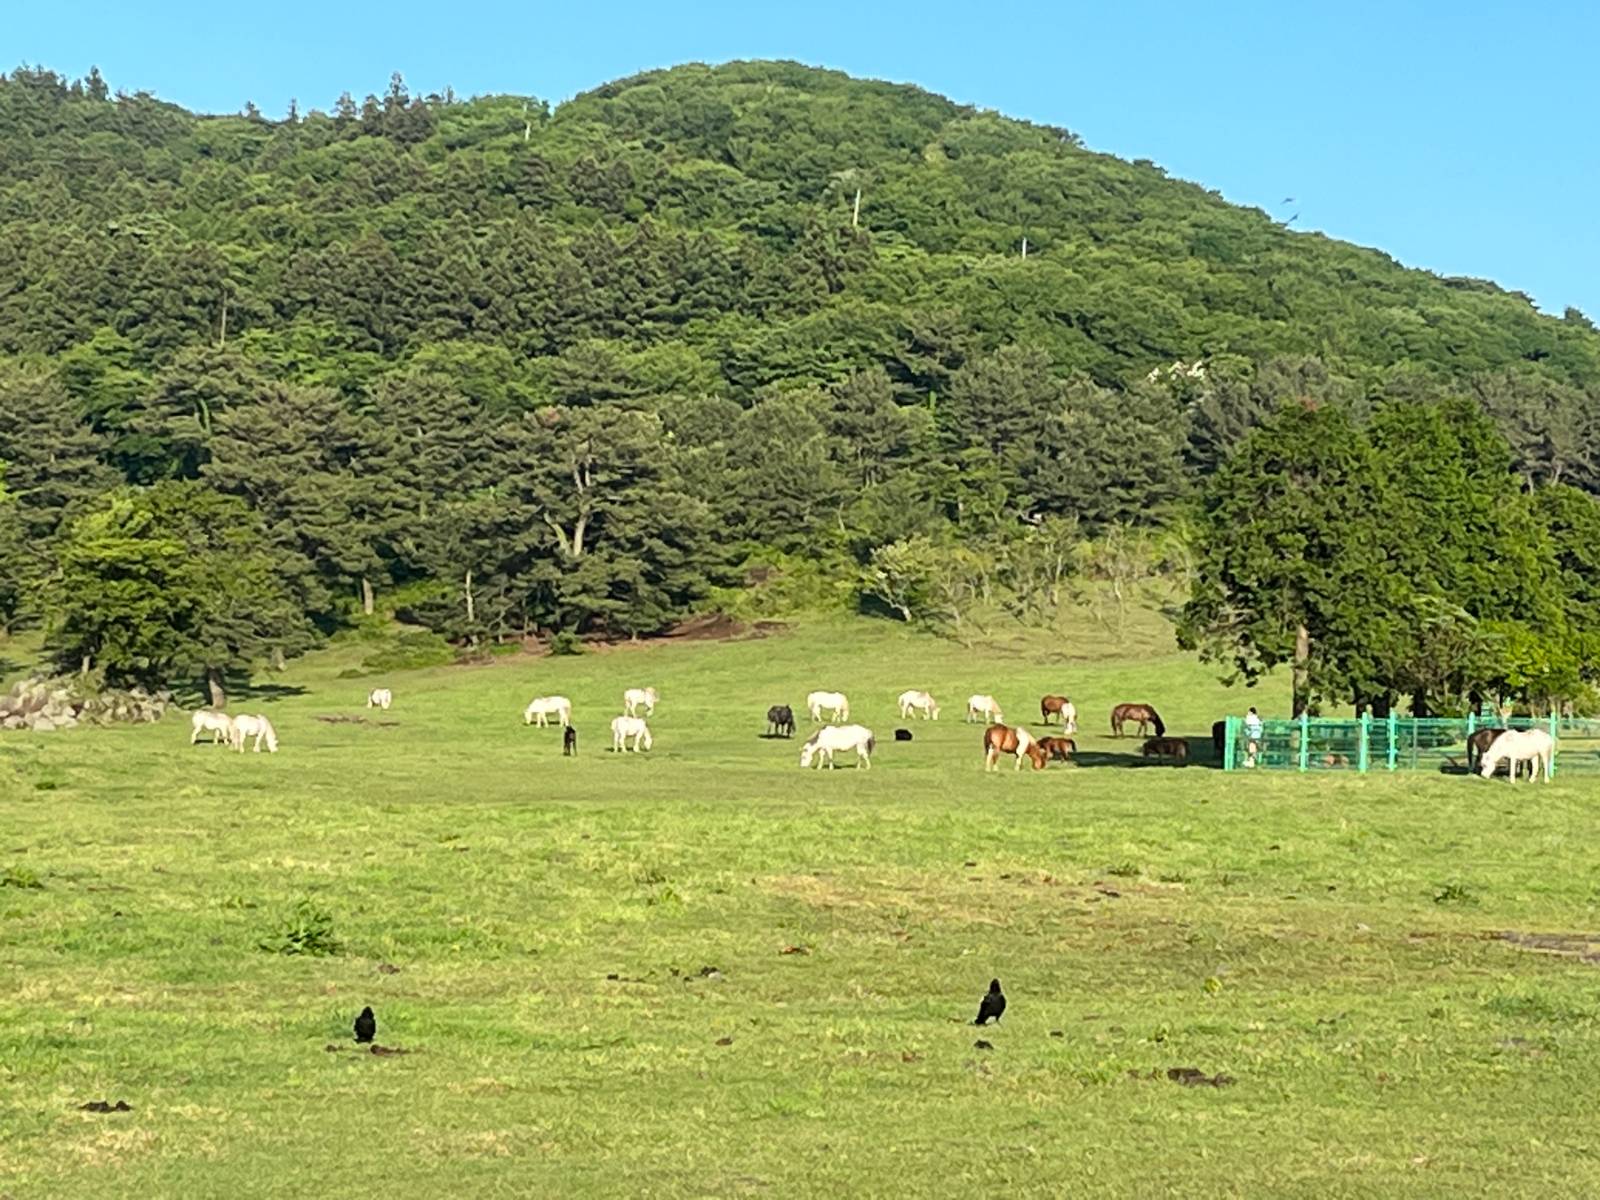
1252, 725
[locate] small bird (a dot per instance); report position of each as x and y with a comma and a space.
367, 1024
993, 1006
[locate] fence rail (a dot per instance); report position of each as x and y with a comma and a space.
1396, 743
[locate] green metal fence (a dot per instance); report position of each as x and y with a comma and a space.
1395, 743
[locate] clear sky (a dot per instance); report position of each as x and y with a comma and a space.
1458, 136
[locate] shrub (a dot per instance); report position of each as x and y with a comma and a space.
20, 877
566, 642
306, 929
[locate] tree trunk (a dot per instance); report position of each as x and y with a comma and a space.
83, 666
278, 661
1419, 704
470, 612
366, 596
1302, 670
219, 697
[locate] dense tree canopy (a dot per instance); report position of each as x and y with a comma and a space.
520, 368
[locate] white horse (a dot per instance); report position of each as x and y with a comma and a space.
254, 725
636, 698
833, 702
380, 698
541, 708
623, 728
218, 725
822, 745
1519, 745
984, 708
915, 702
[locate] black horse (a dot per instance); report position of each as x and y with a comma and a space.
780, 721
569, 742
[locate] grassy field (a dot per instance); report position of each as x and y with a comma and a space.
704, 972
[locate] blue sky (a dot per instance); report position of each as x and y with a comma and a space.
1456, 136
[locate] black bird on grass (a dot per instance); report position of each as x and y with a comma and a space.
367, 1024
993, 1006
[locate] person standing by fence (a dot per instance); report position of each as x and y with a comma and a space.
1252, 737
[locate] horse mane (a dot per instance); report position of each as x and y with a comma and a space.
1161, 726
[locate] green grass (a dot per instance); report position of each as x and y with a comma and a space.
535, 932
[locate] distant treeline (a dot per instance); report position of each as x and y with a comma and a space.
506, 370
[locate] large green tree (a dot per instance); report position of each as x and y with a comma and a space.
170, 583
1292, 558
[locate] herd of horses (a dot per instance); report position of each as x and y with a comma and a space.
1487, 748
234, 731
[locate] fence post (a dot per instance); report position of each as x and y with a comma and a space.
1553, 726
1305, 740
1364, 756
1229, 738
1472, 724
1394, 738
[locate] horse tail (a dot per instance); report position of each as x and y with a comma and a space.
1155, 718
872, 743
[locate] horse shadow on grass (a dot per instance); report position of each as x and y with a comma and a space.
1202, 755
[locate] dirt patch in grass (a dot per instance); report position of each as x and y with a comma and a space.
1583, 946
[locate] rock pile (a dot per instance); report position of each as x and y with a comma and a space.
45, 705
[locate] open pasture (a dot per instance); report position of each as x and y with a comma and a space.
703, 971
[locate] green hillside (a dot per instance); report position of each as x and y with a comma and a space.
505, 369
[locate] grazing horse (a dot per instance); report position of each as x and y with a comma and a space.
623, 728
984, 708
918, 702
902, 735
1165, 747
258, 727
541, 708
380, 698
1519, 745
780, 721
825, 742
1058, 749
1004, 739
636, 698
569, 742
1141, 713
1477, 743
218, 725
832, 702
1063, 708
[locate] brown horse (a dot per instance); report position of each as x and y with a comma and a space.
1058, 749
1478, 744
1062, 708
1165, 747
1003, 739
1141, 713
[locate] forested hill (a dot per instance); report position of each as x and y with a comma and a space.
527, 368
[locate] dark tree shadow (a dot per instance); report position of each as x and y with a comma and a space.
1202, 755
